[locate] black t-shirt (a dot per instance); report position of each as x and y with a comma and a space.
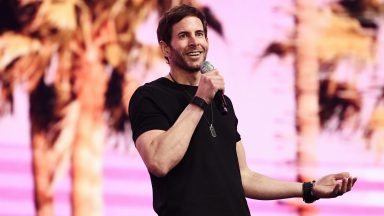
207, 181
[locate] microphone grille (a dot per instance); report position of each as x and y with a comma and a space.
206, 67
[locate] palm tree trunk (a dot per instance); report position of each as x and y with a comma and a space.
88, 144
42, 173
43, 158
307, 86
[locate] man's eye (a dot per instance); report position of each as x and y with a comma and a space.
182, 35
200, 34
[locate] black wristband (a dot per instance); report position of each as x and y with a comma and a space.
308, 196
200, 102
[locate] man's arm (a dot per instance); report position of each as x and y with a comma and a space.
163, 150
258, 186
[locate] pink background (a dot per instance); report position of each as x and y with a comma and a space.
264, 102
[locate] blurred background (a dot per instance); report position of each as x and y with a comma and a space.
306, 78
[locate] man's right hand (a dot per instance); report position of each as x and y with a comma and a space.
209, 84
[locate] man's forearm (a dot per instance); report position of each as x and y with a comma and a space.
262, 187
167, 149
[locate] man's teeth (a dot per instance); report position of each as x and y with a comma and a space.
193, 53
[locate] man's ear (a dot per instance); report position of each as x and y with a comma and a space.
164, 48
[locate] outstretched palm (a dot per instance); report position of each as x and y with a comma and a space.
333, 185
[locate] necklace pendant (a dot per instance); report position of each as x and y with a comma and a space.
212, 129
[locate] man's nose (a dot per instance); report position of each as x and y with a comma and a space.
192, 41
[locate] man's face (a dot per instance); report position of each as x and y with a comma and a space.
189, 45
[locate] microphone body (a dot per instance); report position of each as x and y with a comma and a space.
219, 96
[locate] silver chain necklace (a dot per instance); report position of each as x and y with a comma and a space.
211, 128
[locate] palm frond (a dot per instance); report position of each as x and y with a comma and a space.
342, 36
114, 55
17, 52
338, 100
362, 8
62, 15
53, 20
113, 102
213, 21
14, 46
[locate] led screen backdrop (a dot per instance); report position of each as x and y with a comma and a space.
256, 55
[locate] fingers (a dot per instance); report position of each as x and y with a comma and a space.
340, 176
354, 181
335, 185
350, 183
346, 185
216, 79
336, 190
209, 84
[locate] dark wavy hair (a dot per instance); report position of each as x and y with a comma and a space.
173, 16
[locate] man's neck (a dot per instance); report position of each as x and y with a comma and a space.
184, 77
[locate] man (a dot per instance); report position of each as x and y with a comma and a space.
192, 151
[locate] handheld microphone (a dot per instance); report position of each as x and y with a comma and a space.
219, 96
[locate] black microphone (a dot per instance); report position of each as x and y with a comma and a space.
219, 96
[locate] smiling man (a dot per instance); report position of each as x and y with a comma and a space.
195, 171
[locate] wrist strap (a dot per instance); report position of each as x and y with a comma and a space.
308, 196
200, 102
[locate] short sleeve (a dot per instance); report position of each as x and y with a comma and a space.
238, 136
145, 114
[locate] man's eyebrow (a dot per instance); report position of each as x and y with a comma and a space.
183, 32
187, 32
